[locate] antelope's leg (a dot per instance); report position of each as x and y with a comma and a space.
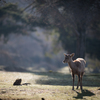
81, 81
78, 81
73, 81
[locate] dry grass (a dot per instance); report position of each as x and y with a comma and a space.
51, 86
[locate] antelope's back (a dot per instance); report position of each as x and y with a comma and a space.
82, 62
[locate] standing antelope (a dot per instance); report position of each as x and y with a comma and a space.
77, 67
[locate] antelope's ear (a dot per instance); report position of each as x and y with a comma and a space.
64, 54
71, 55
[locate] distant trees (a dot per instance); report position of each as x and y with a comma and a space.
11, 21
14, 21
77, 22
73, 18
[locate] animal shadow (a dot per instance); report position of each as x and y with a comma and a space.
83, 93
26, 84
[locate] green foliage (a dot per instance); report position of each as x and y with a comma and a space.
93, 47
12, 11
69, 43
14, 21
93, 65
11, 20
62, 15
72, 18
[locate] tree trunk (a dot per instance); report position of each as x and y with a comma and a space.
80, 47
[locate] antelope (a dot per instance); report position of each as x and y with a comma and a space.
77, 67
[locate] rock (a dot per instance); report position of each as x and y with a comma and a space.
42, 99
17, 82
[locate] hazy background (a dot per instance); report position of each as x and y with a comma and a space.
34, 34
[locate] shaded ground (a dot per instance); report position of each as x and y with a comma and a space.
47, 85
83, 93
55, 78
